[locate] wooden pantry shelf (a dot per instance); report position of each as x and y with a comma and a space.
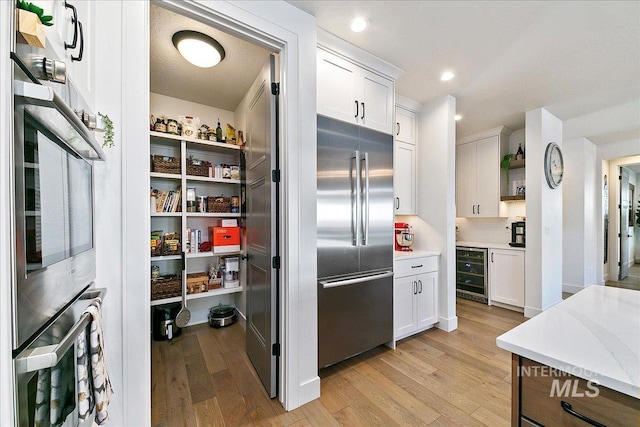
517, 164
512, 198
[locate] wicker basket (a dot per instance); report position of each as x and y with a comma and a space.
166, 287
198, 170
164, 164
171, 244
219, 204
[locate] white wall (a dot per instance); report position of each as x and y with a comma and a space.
578, 215
543, 257
435, 223
492, 230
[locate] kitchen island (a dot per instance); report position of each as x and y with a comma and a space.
580, 358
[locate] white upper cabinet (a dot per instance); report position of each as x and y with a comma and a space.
404, 178
353, 94
405, 126
78, 59
478, 176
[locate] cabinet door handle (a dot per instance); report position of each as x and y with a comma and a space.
566, 406
474, 209
397, 203
420, 282
478, 209
416, 266
415, 287
398, 131
491, 256
79, 57
357, 109
362, 117
74, 21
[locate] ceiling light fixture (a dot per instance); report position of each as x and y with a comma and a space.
197, 48
446, 76
457, 117
359, 24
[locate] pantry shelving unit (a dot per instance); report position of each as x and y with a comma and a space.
215, 152
515, 165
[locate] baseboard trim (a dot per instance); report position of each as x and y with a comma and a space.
531, 311
448, 325
508, 306
308, 391
572, 289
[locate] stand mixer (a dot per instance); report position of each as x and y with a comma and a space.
404, 237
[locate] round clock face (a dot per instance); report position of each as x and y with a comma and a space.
553, 165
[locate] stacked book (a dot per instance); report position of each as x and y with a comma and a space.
168, 200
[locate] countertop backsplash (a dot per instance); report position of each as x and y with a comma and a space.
490, 230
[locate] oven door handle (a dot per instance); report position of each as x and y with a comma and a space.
48, 356
44, 96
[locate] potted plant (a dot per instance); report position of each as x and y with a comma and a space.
504, 165
30, 22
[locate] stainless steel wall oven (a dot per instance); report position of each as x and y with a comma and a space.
55, 263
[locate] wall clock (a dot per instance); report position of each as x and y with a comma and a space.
553, 165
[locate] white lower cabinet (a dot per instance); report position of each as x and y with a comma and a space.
506, 276
415, 295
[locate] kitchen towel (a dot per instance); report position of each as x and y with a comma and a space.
93, 378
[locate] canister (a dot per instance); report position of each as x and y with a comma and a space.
202, 203
235, 204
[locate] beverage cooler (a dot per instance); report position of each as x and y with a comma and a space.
471, 273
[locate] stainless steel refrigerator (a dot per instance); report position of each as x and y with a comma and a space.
355, 240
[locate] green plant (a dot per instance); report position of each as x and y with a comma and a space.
504, 165
30, 7
108, 130
638, 213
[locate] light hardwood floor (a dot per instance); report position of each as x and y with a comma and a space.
632, 281
204, 378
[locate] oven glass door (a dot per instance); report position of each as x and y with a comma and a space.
57, 199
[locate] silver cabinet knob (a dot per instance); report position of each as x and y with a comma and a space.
90, 121
55, 71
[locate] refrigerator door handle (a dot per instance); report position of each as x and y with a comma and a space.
365, 202
345, 282
355, 205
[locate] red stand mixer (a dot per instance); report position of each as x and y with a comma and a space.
404, 237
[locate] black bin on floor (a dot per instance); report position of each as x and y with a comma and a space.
163, 322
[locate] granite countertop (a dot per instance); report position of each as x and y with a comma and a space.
594, 335
413, 254
488, 245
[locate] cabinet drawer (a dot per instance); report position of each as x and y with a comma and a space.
409, 267
601, 404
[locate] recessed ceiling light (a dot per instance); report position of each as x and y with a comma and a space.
446, 76
359, 24
458, 117
197, 48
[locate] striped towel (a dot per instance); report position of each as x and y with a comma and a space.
94, 386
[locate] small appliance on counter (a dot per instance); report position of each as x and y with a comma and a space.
517, 234
404, 237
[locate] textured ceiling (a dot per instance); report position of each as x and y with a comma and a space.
579, 60
222, 86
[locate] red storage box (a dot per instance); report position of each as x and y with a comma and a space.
224, 239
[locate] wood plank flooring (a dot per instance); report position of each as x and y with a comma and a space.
632, 281
204, 378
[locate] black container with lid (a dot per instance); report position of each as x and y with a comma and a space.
163, 326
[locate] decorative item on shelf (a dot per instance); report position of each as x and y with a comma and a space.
234, 172
203, 132
190, 126
197, 167
211, 135
30, 23
197, 282
168, 286
152, 122
171, 244
219, 204
504, 165
226, 171
240, 140
155, 271
235, 204
230, 134
219, 132
161, 124
520, 153
172, 127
